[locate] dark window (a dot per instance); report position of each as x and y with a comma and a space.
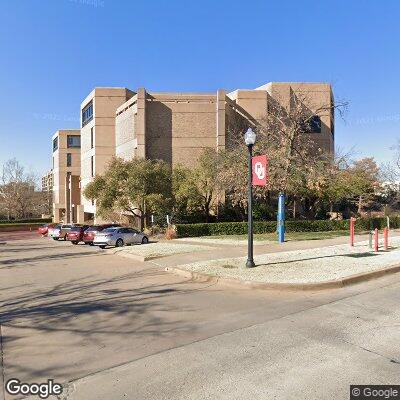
91, 137
87, 114
92, 165
313, 125
69, 159
73, 141
55, 144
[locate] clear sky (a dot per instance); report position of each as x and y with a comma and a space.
54, 52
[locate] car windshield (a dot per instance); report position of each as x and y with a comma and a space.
93, 228
109, 230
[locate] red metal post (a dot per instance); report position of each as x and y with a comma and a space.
352, 223
376, 239
386, 238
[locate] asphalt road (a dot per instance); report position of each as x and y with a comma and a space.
116, 329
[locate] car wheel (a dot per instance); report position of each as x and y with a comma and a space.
119, 243
91, 244
145, 240
55, 238
102, 246
74, 242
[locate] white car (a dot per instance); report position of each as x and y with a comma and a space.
119, 237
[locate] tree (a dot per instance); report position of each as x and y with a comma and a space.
363, 182
137, 188
196, 189
285, 134
17, 190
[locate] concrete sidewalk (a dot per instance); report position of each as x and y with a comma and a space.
220, 251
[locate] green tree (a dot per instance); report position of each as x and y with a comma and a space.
196, 189
138, 188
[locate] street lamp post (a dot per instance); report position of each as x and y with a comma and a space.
250, 139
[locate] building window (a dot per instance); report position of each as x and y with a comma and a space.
55, 144
73, 141
87, 114
313, 125
92, 137
69, 159
92, 165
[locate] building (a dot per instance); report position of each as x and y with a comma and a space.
47, 181
66, 175
97, 138
174, 127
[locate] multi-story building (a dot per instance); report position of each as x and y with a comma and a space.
177, 127
97, 138
66, 175
47, 181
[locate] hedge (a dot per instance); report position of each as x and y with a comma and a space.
19, 227
22, 221
240, 228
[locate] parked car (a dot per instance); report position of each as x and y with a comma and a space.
75, 235
119, 237
59, 231
54, 232
43, 230
90, 233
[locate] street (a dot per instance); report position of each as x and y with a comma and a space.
115, 328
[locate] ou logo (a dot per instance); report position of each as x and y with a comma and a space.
259, 170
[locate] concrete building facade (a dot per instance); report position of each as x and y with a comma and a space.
66, 175
177, 127
97, 138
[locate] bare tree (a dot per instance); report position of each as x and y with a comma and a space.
17, 190
287, 135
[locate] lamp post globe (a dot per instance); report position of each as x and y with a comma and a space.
250, 139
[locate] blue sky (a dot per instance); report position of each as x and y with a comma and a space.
53, 52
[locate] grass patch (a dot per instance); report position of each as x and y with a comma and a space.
290, 236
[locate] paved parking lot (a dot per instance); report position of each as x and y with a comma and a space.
132, 330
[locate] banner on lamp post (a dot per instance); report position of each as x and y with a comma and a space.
260, 170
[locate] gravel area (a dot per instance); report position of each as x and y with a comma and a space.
160, 249
304, 266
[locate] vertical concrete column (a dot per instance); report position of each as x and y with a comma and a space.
80, 215
68, 198
221, 123
141, 123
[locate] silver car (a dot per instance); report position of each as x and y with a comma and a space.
54, 232
119, 237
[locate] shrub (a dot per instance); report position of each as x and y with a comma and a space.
170, 233
240, 228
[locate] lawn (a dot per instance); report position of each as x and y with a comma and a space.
290, 236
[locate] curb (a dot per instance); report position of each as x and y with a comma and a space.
238, 283
134, 256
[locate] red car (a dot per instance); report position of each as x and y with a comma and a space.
43, 230
75, 235
90, 233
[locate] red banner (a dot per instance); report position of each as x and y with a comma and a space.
260, 170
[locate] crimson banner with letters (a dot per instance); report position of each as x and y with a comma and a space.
260, 170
